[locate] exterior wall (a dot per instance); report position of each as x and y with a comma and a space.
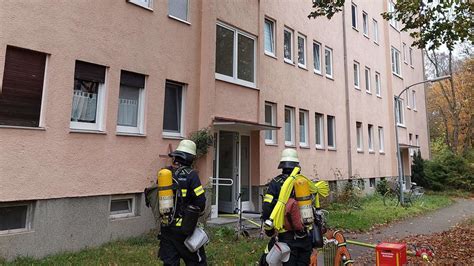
65, 225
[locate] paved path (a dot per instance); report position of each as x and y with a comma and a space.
433, 222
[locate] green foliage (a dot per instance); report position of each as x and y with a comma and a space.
203, 139
382, 187
450, 171
326, 8
418, 171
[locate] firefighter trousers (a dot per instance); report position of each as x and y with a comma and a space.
172, 249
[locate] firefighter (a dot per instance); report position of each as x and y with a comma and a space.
189, 194
298, 241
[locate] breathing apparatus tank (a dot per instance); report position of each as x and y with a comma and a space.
303, 196
165, 191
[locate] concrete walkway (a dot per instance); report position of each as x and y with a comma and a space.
433, 222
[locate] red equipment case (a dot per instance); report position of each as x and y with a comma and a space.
391, 254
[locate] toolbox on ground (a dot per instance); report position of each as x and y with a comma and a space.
391, 254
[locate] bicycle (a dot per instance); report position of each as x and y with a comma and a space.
413, 196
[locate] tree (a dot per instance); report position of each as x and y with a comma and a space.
430, 23
417, 170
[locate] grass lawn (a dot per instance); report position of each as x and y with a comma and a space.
223, 249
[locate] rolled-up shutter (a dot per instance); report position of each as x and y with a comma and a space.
89, 72
132, 79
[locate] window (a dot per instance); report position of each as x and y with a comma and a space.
376, 31
365, 24
396, 62
173, 109
301, 51
372, 182
410, 50
407, 95
288, 45
269, 37
131, 103
405, 53
399, 115
367, 80
178, 9
356, 75
371, 137
331, 131
122, 206
235, 56
328, 61
317, 57
143, 3
303, 117
319, 130
391, 8
289, 126
270, 119
15, 217
360, 138
381, 140
413, 99
354, 16
22, 91
410, 141
417, 141
378, 86
88, 96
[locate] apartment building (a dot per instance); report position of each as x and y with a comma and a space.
94, 94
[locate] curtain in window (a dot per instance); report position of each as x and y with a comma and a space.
287, 44
84, 101
268, 35
128, 106
178, 9
317, 57
301, 51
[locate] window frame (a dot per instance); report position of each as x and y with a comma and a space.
320, 70
303, 37
378, 85
319, 117
368, 79
376, 31
381, 140
172, 134
273, 108
359, 137
292, 33
292, 141
413, 100
99, 124
400, 115
273, 34
187, 20
234, 79
393, 21
370, 137
133, 207
140, 128
328, 117
141, 4
365, 24
30, 205
356, 85
396, 64
331, 76
306, 128
354, 17
410, 54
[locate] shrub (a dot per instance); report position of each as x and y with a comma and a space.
417, 170
382, 187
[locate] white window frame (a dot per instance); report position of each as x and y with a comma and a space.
404, 45
410, 54
368, 77
331, 147
360, 137
370, 137
356, 77
376, 31
317, 71
273, 132
234, 79
304, 50
378, 85
288, 60
365, 24
408, 99
319, 118
331, 76
396, 62
381, 140
391, 8
306, 129
28, 220
272, 23
173, 134
142, 4
100, 111
413, 99
400, 115
139, 129
177, 18
292, 126
133, 211
356, 26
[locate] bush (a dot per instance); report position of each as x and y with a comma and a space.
417, 170
382, 187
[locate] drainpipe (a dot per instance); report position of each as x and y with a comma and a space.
346, 84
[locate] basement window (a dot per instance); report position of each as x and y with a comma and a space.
122, 206
15, 217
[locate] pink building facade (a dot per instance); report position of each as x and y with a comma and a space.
93, 92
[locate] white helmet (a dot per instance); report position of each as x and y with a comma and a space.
289, 159
185, 152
